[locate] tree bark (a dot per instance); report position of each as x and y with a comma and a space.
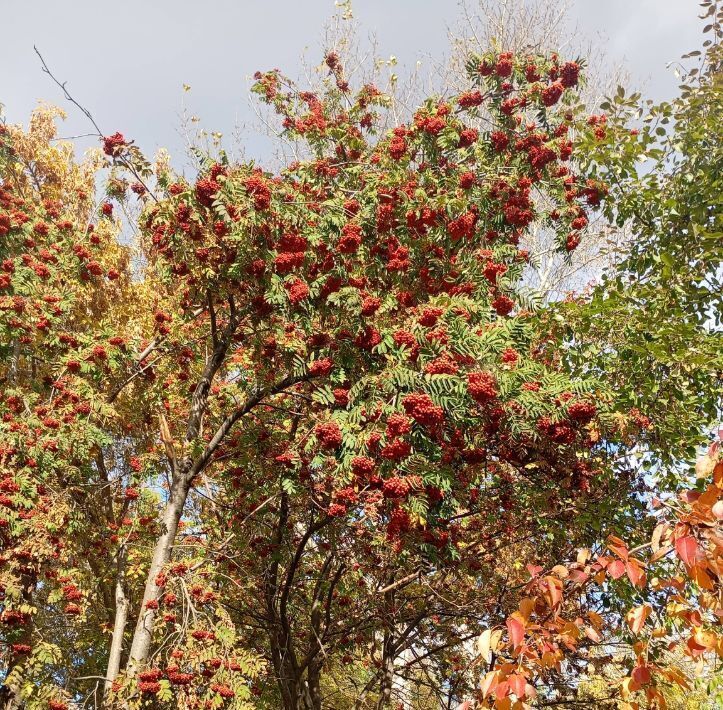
119, 626
387, 679
141, 646
388, 648
14, 362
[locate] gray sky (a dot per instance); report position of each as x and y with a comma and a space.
126, 61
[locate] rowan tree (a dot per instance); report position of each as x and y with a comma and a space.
318, 441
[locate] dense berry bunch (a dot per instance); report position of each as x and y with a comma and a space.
482, 387
329, 435
422, 409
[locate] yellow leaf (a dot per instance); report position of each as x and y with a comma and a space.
484, 644
489, 683
657, 535
636, 617
704, 466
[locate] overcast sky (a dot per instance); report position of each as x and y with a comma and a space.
127, 61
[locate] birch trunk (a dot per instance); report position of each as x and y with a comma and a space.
119, 626
142, 636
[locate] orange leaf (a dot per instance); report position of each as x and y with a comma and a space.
675, 675
592, 634
549, 660
718, 474
655, 698
636, 574
618, 547
706, 638
701, 577
554, 590
662, 552
709, 497
527, 606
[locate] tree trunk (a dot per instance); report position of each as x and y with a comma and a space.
142, 636
314, 682
387, 680
14, 362
306, 699
119, 626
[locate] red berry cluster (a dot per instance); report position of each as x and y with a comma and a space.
420, 407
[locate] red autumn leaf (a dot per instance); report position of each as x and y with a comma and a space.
616, 569
687, 549
502, 690
694, 648
517, 685
689, 497
578, 576
641, 675
516, 631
